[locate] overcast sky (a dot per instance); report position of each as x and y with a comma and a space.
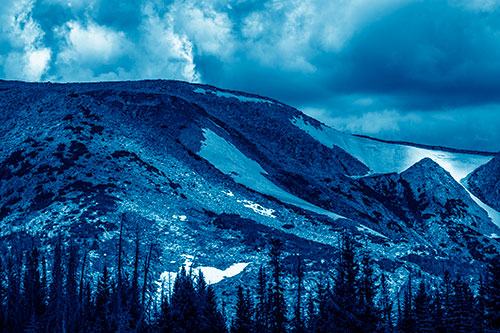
424, 71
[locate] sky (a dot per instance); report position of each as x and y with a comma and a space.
426, 71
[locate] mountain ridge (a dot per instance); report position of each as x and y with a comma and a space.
192, 168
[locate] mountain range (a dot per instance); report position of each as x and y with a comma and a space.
208, 176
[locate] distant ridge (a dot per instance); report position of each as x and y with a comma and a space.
423, 146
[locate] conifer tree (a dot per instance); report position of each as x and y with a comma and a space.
213, 318
298, 321
480, 304
184, 310
33, 295
385, 306
325, 319
346, 291
462, 311
492, 294
310, 313
243, 322
436, 309
445, 299
88, 313
3, 294
134, 292
72, 306
14, 318
103, 304
422, 304
56, 305
367, 311
406, 320
262, 307
278, 320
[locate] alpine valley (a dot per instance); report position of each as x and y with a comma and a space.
206, 177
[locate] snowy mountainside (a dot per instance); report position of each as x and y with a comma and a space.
384, 157
212, 175
387, 157
484, 182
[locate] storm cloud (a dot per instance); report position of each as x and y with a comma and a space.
425, 71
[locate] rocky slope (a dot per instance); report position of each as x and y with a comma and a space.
485, 182
211, 175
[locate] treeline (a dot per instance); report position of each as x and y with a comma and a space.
58, 295
357, 299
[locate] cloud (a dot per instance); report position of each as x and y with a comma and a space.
372, 122
92, 43
26, 57
370, 66
209, 30
162, 52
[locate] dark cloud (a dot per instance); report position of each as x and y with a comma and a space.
417, 70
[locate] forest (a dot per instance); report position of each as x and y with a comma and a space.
52, 292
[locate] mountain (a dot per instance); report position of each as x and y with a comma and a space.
207, 176
485, 182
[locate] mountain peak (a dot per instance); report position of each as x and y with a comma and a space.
427, 168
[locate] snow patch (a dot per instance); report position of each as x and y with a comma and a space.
230, 161
492, 213
364, 228
229, 95
214, 275
258, 208
180, 217
382, 157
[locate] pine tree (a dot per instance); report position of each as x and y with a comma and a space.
480, 305
407, 316
325, 319
34, 297
422, 304
213, 318
385, 306
43, 292
298, 321
184, 310
462, 310
243, 322
367, 312
278, 320
14, 318
445, 299
310, 313
346, 291
72, 306
56, 299
103, 302
492, 292
3, 295
262, 307
436, 309
134, 292
88, 312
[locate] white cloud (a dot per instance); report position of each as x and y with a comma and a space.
92, 43
85, 48
372, 122
289, 34
28, 58
162, 52
208, 29
253, 26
